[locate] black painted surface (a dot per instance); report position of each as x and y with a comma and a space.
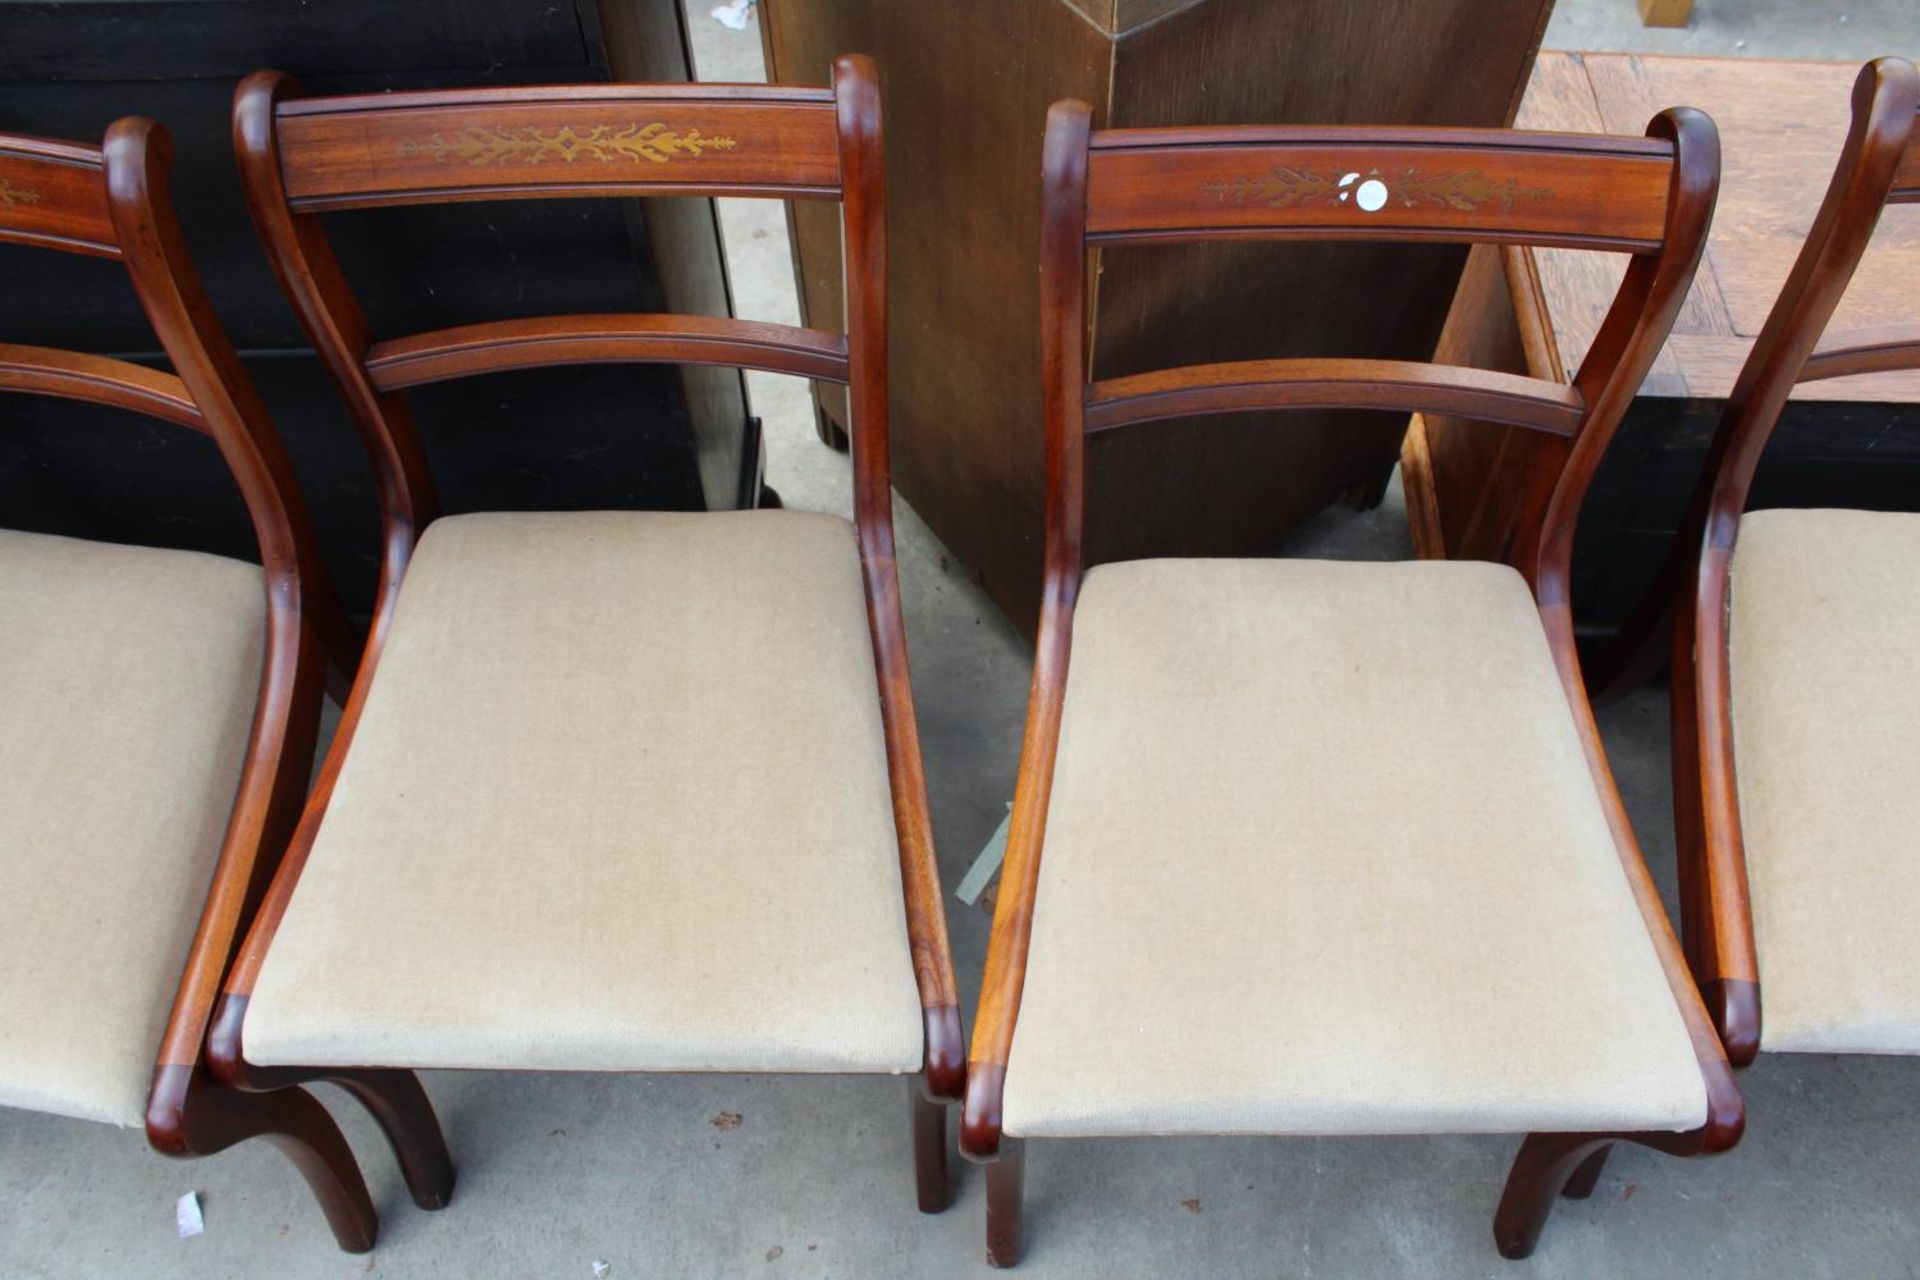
576, 438
1823, 454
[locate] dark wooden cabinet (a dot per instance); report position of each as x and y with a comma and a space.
966, 87
643, 436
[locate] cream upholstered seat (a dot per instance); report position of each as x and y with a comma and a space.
1825, 629
618, 801
128, 677
1324, 855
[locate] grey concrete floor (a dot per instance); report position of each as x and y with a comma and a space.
558, 1172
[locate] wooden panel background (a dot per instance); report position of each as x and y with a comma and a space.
633, 436
966, 87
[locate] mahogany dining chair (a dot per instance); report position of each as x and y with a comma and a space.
1793, 696
159, 714
1333, 848
613, 791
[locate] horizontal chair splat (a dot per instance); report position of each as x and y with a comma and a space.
53, 195
1443, 185
595, 339
370, 151
74, 375
1882, 349
1406, 386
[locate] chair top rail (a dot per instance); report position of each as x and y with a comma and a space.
1448, 185
374, 150
53, 195
481, 96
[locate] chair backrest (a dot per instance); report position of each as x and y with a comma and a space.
1649, 197
111, 202
1879, 165
302, 157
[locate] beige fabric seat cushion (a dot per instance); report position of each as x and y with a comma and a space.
1324, 856
618, 802
127, 683
1825, 629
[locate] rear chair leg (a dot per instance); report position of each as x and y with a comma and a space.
1006, 1180
406, 1116
1546, 1163
929, 1149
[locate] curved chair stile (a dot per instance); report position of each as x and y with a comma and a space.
1879, 165
112, 202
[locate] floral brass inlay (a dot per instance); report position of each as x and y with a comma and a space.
603, 142
12, 195
1464, 190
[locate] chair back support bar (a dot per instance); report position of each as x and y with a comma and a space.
75, 375
1406, 385
1345, 183
527, 344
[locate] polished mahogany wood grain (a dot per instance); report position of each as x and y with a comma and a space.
863, 169
1467, 185
527, 344
309, 274
1063, 363
1323, 384
112, 202
1652, 196
487, 144
51, 195
302, 156
75, 375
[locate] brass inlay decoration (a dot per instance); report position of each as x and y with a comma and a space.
12, 195
603, 142
1464, 190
